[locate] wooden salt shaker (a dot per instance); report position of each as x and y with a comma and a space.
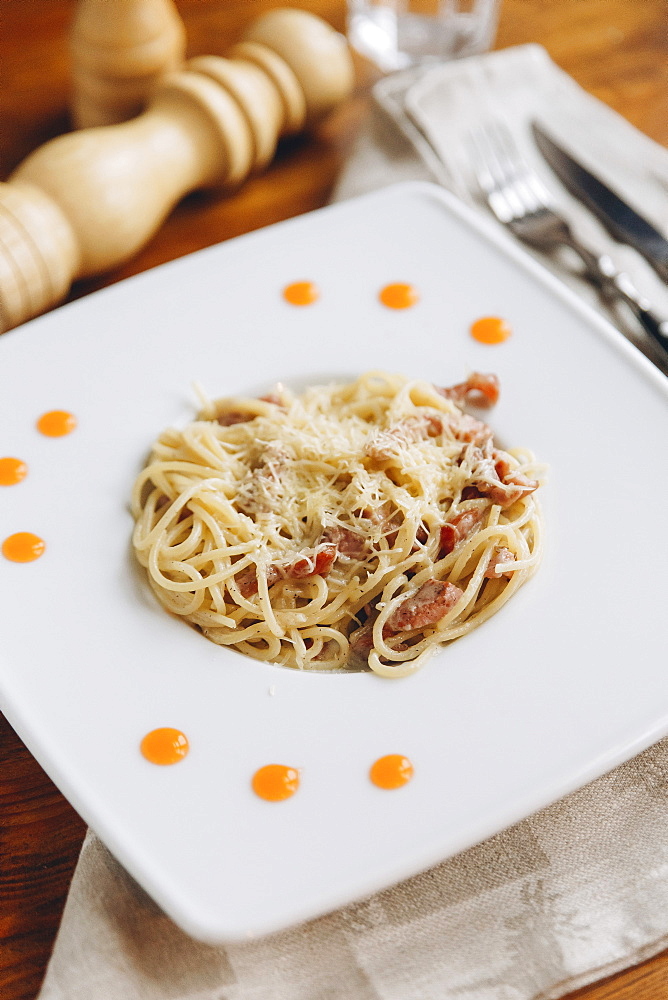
85, 202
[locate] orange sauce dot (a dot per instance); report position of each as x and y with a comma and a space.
301, 293
23, 547
391, 771
490, 330
398, 295
275, 782
12, 471
56, 423
165, 746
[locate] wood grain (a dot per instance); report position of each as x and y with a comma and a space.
616, 49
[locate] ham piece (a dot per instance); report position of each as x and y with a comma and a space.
499, 563
426, 607
459, 528
348, 543
478, 390
316, 563
233, 417
505, 493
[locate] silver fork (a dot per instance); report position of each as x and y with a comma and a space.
519, 199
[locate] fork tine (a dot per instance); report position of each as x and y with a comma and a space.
507, 175
538, 189
528, 184
506, 149
505, 196
490, 176
480, 160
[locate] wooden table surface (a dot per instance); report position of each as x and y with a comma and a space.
616, 49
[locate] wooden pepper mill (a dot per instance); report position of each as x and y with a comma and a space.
87, 201
119, 50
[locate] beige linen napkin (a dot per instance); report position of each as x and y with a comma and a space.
569, 895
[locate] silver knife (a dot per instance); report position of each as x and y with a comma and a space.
621, 221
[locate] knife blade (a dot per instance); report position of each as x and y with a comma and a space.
621, 221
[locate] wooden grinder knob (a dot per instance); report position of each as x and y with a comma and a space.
119, 49
87, 201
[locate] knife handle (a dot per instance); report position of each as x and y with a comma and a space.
621, 286
617, 285
653, 324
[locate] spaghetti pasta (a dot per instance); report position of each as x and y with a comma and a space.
355, 526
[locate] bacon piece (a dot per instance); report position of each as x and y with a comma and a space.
421, 535
234, 417
491, 476
319, 565
377, 515
349, 543
305, 566
385, 519
434, 424
500, 557
470, 430
528, 485
361, 642
459, 528
261, 489
433, 600
508, 492
501, 464
449, 538
328, 650
383, 445
478, 390
247, 580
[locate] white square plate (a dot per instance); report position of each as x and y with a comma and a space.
565, 682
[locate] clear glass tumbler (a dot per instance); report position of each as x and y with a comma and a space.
398, 33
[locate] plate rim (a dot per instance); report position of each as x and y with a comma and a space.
603, 328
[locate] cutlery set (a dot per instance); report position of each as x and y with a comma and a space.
621, 221
519, 199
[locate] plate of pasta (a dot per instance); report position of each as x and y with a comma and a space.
359, 525
328, 552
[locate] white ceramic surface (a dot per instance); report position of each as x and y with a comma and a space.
567, 681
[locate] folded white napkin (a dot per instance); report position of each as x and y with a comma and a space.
569, 895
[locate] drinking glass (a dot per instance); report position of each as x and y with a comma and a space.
398, 33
